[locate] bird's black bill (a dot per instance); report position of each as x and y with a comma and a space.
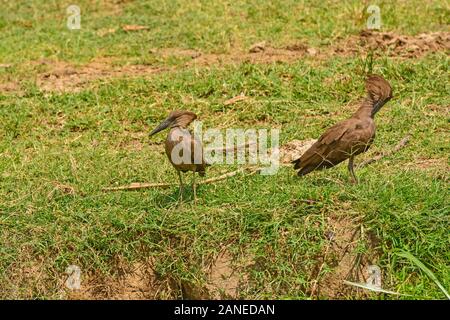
378, 106
163, 125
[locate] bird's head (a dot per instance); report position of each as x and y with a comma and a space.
379, 92
177, 118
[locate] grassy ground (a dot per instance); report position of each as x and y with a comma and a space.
59, 149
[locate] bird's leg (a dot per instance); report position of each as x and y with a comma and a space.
350, 169
181, 186
194, 187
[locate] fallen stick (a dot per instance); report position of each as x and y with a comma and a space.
228, 175
402, 143
137, 186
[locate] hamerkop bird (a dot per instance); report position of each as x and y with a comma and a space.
350, 137
184, 150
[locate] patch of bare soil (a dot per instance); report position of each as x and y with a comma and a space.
225, 277
342, 257
134, 282
258, 53
176, 52
262, 55
111, 7
434, 109
430, 164
64, 77
393, 44
27, 277
139, 281
293, 150
223, 280
10, 87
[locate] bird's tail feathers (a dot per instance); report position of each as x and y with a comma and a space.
296, 163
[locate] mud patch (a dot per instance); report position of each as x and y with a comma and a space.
392, 44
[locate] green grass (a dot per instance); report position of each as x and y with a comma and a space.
99, 137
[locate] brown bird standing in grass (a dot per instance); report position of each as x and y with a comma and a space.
350, 137
184, 150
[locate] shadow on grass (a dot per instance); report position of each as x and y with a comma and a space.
170, 198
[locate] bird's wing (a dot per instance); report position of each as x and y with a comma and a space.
335, 145
179, 146
358, 139
197, 150
326, 143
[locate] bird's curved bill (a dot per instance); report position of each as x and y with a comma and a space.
163, 125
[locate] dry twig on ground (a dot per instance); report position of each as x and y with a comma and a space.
402, 143
137, 186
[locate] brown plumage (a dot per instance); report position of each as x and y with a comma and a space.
350, 137
184, 150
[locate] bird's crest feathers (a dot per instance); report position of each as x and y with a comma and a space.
378, 88
177, 118
182, 118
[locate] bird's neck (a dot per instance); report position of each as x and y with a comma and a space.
365, 110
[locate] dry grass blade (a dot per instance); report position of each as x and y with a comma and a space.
106, 31
238, 98
371, 288
133, 27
